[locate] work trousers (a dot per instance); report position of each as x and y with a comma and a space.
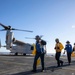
69, 57
57, 57
41, 55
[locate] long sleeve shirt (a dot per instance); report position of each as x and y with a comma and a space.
39, 47
68, 48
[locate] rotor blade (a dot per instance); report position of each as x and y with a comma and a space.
21, 30
5, 27
41, 36
29, 38
0, 43
3, 46
2, 30
33, 38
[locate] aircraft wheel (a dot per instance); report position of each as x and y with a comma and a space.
24, 54
16, 53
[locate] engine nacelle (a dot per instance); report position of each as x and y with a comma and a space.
9, 38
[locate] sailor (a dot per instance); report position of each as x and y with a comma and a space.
39, 53
58, 48
68, 49
74, 48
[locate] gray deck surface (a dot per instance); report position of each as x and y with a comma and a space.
22, 65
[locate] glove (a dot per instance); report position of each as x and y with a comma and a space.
55, 48
64, 52
58, 48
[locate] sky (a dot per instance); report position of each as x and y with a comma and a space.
50, 18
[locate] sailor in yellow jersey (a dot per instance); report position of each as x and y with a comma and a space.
74, 47
58, 47
73, 52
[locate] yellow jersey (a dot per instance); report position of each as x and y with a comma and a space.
59, 47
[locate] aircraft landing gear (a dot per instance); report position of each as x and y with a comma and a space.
24, 54
16, 53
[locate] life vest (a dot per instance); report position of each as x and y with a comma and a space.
59, 47
34, 53
34, 50
74, 48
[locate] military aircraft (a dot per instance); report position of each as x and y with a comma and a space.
15, 46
